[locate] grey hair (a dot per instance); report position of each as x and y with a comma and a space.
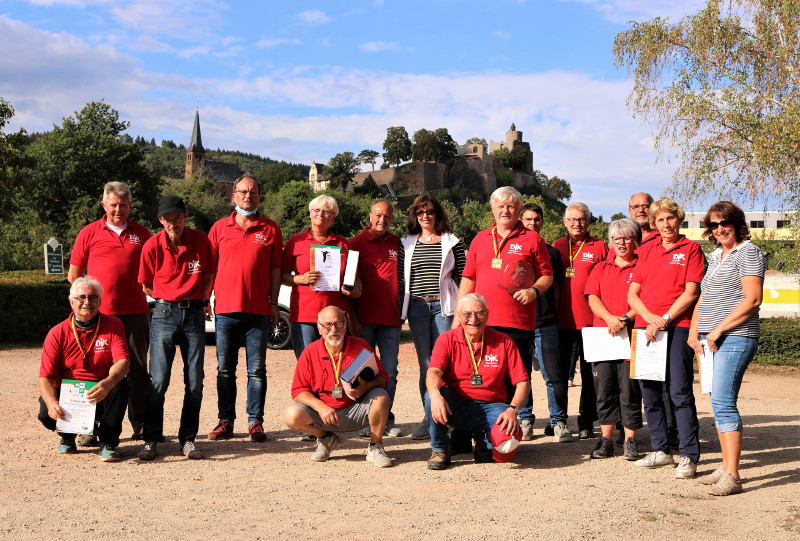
581, 207
472, 297
506, 194
649, 198
387, 203
341, 312
86, 281
244, 177
625, 227
324, 201
120, 189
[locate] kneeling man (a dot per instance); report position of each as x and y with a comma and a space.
87, 346
322, 407
466, 383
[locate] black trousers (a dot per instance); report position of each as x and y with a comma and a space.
619, 398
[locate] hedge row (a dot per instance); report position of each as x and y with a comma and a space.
779, 343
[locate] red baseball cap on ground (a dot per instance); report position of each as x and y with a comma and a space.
504, 447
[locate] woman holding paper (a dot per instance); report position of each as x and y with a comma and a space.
619, 398
726, 317
663, 290
433, 264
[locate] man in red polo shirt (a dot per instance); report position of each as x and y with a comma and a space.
380, 267
177, 270
110, 250
323, 405
248, 248
89, 347
467, 379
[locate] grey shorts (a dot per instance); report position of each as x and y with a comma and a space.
353, 417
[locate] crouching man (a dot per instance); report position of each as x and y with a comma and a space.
322, 407
466, 383
88, 346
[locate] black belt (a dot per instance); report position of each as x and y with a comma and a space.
429, 298
189, 303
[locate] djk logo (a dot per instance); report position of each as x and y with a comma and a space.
588, 256
134, 239
101, 344
491, 360
515, 248
678, 259
393, 255
260, 238
194, 267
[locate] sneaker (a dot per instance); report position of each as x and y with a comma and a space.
256, 431
726, 486
377, 455
87, 440
365, 432
631, 452
548, 430
527, 430
439, 461
148, 452
109, 453
393, 432
67, 445
586, 433
421, 432
562, 433
604, 449
307, 437
686, 468
656, 459
713, 477
481, 454
223, 431
325, 445
190, 451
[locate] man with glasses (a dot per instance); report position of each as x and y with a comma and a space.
639, 211
324, 405
110, 249
177, 270
248, 248
87, 347
466, 383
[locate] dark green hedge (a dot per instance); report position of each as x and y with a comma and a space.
32, 302
779, 343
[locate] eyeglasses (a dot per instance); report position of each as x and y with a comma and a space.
426, 212
328, 326
324, 212
82, 298
724, 223
638, 207
576, 220
620, 240
480, 314
253, 193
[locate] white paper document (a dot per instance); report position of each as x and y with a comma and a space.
598, 345
328, 261
706, 361
350, 268
649, 359
79, 412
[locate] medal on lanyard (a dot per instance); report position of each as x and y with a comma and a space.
84, 364
476, 378
337, 391
570, 272
497, 261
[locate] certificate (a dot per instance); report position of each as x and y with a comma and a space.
328, 261
599, 345
649, 359
706, 361
78, 411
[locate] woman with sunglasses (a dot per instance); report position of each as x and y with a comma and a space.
433, 264
726, 317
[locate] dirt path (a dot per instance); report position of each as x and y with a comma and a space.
244, 490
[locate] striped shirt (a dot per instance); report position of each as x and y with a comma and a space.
722, 288
426, 263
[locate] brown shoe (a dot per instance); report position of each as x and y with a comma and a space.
439, 461
257, 431
223, 431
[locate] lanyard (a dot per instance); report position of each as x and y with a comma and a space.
337, 366
497, 248
78, 341
475, 364
572, 257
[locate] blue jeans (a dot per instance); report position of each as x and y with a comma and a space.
474, 416
171, 328
302, 335
732, 358
547, 352
231, 329
426, 322
570, 346
387, 340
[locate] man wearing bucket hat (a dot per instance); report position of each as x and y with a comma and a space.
466, 383
177, 270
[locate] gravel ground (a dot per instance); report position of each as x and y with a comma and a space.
244, 490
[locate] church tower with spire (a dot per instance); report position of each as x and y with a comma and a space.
195, 153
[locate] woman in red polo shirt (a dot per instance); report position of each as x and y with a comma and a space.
665, 286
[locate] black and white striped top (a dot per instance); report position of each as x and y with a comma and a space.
721, 288
426, 263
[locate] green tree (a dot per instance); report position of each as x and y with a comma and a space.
424, 147
396, 146
618, 216
369, 156
369, 188
204, 206
342, 168
723, 88
12, 159
557, 188
512, 159
477, 141
446, 147
275, 174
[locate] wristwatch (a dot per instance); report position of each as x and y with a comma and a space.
536, 289
516, 409
666, 317
626, 318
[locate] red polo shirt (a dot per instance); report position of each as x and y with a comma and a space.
663, 275
62, 358
377, 267
522, 244
610, 283
314, 371
500, 361
306, 303
177, 277
114, 260
573, 308
244, 259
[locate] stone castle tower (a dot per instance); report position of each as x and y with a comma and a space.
513, 141
195, 153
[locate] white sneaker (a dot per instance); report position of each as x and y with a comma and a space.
377, 455
325, 445
561, 433
393, 432
686, 468
656, 459
527, 430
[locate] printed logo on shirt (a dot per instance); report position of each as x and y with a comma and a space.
392, 255
261, 238
515, 249
587, 257
678, 259
101, 345
630, 277
490, 360
194, 267
134, 239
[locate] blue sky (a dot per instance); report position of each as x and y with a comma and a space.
301, 81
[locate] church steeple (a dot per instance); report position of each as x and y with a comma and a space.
195, 153
196, 144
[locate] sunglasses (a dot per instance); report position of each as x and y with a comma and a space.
426, 212
723, 223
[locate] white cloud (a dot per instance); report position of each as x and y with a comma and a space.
501, 34
149, 43
622, 11
313, 16
274, 42
194, 51
379, 46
